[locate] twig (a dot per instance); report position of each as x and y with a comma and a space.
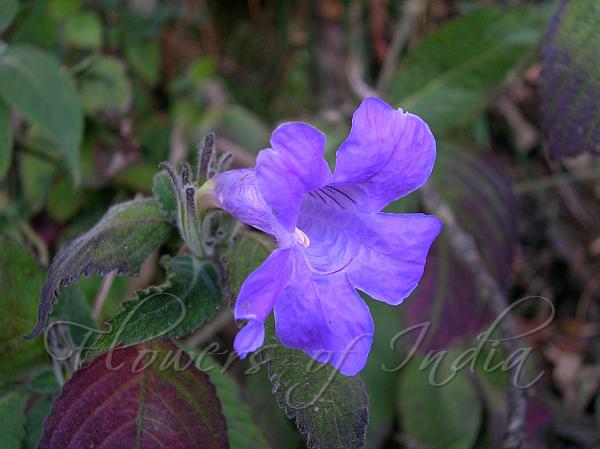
105, 286
36, 241
242, 157
354, 65
526, 136
223, 318
403, 29
547, 182
178, 143
464, 248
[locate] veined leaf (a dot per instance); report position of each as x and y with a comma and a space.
105, 88
84, 30
5, 140
444, 416
446, 79
12, 419
188, 299
21, 278
243, 431
482, 200
570, 81
163, 191
331, 410
144, 396
26, 73
8, 11
237, 125
120, 241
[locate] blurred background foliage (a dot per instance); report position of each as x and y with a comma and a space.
94, 94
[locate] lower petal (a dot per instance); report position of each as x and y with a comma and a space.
324, 316
257, 296
249, 338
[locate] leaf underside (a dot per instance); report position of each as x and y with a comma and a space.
119, 242
570, 80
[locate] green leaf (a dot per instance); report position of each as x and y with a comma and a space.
447, 78
148, 395
8, 11
278, 429
444, 416
165, 194
21, 278
189, 298
12, 419
84, 30
105, 88
570, 80
237, 125
144, 59
63, 200
331, 410
38, 27
38, 409
34, 84
120, 242
73, 308
243, 431
6, 143
136, 177
379, 383
36, 176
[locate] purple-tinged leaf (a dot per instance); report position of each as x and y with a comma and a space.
482, 200
146, 396
570, 81
120, 241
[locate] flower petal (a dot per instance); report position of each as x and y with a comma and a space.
249, 338
293, 167
238, 195
389, 272
388, 154
325, 317
257, 296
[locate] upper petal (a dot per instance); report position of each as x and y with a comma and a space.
237, 193
293, 167
325, 317
257, 296
388, 154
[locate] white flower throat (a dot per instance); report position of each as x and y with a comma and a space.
301, 238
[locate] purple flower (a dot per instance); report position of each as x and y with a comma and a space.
332, 236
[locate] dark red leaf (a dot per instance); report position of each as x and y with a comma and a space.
481, 197
144, 396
